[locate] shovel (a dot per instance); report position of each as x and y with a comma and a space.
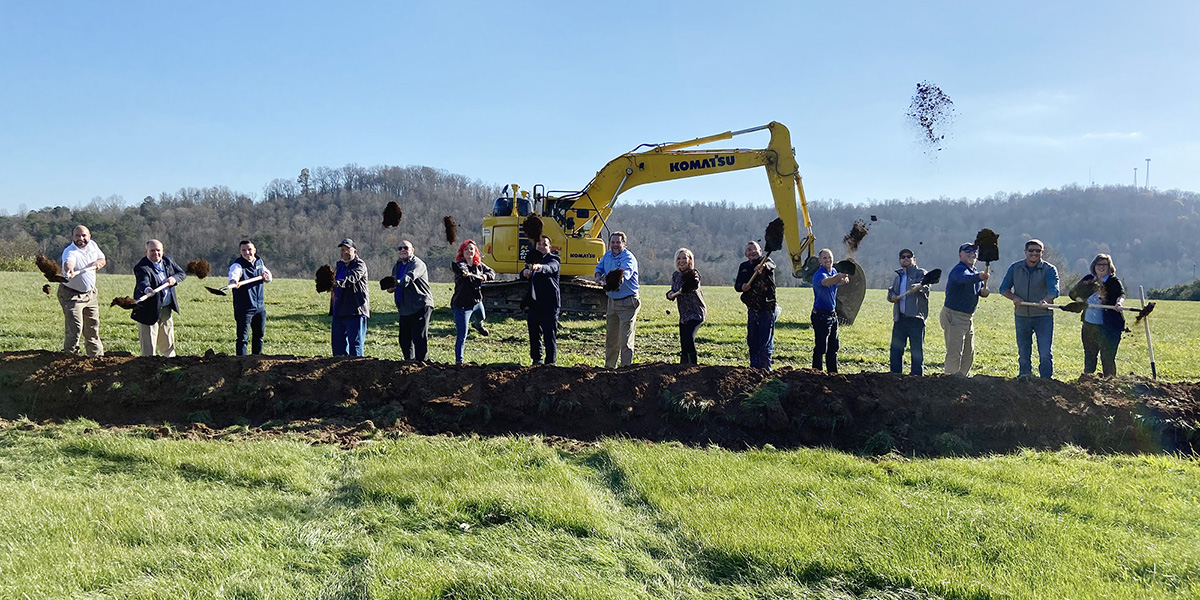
1146, 308
1074, 307
221, 291
128, 303
989, 248
930, 278
773, 240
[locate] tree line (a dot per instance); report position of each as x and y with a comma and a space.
1154, 237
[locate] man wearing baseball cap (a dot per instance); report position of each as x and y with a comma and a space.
349, 304
964, 287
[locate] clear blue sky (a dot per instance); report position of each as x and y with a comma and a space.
137, 98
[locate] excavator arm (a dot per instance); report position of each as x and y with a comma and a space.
574, 221
666, 162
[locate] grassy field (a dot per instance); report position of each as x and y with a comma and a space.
297, 325
101, 515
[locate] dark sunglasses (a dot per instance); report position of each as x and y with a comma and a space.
904, 256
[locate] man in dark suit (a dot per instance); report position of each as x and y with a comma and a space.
544, 304
156, 331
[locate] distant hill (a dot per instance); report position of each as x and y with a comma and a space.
1154, 237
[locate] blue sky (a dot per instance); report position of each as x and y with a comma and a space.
137, 98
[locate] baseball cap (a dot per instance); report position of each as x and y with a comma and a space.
349, 243
968, 247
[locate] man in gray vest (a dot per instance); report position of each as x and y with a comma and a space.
908, 313
1032, 280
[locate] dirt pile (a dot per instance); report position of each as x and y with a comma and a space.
344, 400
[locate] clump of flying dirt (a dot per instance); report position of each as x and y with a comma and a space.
932, 114
858, 231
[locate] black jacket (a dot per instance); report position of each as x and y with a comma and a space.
468, 291
544, 284
1113, 289
147, 312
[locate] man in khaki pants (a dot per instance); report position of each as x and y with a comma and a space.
78, 298
623, 301
964, 287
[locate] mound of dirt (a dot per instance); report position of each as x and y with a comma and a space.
735, 407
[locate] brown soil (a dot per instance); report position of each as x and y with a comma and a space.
858, 231
931, 112
343, 401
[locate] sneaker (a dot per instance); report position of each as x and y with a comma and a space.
481, 329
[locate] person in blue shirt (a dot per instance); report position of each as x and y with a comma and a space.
623, 301
1032, 280
824, 312
964, 287
349, 302
1102, 327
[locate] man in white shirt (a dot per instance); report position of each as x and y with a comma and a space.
78, 297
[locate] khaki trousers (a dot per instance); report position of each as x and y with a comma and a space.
622, 324
959, 328
81, 314
158, 336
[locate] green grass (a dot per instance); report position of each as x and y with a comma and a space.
296, 324
104, 515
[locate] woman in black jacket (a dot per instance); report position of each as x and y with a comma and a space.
467, 302
1102, 327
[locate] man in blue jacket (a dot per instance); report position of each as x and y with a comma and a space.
908, 313
545, 301
964, 287
1032, 280
249, 308
156, 330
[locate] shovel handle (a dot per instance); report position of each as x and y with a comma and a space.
1149, 343
245, 281
153, 292
1040, 305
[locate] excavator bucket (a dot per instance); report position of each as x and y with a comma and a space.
850, 294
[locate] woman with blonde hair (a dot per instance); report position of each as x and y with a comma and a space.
1102, 327
685, 289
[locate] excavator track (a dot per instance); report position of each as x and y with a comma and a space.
581, 298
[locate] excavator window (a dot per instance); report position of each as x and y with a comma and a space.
503, 207
524, 207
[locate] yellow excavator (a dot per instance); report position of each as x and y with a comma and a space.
574, 221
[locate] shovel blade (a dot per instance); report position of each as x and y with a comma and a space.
215, 291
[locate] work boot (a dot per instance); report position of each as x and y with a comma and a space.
481, 329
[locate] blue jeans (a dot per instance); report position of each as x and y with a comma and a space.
475, 315
250, 322
1043, 328
910, 331
760, 337
349, 333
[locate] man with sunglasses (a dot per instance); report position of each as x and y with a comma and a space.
910, 306
964, 287
1032, 280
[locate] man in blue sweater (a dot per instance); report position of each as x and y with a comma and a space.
964, 287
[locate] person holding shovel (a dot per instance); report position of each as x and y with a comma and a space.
156, 330
414, 302
685, 290
756, 281
618, 270
1032, 280
910, 307
349, 302
467, 301
1102, 327
964, 287
545, 300
824, 312
78, 297
249, 309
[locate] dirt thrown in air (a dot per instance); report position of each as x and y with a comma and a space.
858, 231
932, 114
345, 401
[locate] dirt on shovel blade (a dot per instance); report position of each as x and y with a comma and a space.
344, 400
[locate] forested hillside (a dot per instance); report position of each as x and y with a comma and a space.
1154, 237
